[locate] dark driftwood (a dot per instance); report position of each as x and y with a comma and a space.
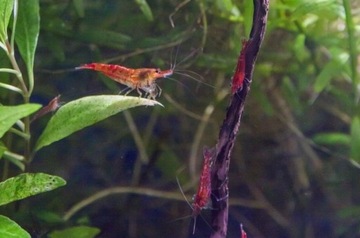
230, 126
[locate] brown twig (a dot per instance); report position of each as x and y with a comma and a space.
176, 196
230, 127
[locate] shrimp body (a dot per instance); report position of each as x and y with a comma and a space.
204, 190
239, 75
142, 78
52, 106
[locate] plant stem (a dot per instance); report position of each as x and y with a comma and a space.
11, 55
204, 22
350, 27
25, 94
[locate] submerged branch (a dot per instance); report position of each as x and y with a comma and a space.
231, 123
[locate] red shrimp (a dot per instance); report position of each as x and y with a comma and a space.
53, 105
202, 197
239, 75
204, 190
142, 78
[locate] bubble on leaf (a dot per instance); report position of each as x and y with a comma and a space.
35, 190
48, 187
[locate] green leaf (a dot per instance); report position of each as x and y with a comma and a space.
6, 7
79, 7
26, 185
329, 71
88, 34
319, 7
10, 114
11, 229
76, 232
49, 217
248, 17
332, 138
355, 139
146, 10
299, 48
27, 32
102, 37
85, 112
228, 10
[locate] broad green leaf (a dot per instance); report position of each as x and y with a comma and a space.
146, 10
332, 138
76, 232
27, 32
355, 139
26, 185
6, 7
10, 229
10, 114
84, 112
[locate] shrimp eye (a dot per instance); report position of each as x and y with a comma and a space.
157, 70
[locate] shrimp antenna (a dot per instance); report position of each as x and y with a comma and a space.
173, 65
182, 84
194, 78
183, 194
177, 8
57, 71
191, 54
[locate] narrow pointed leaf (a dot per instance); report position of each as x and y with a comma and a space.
332, 138
11, 229
328, 72
27, 31
10, 114
26, 185
6, 7
76, 232
145, 8
84, 112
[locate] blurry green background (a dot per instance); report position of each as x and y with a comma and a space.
294, 170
